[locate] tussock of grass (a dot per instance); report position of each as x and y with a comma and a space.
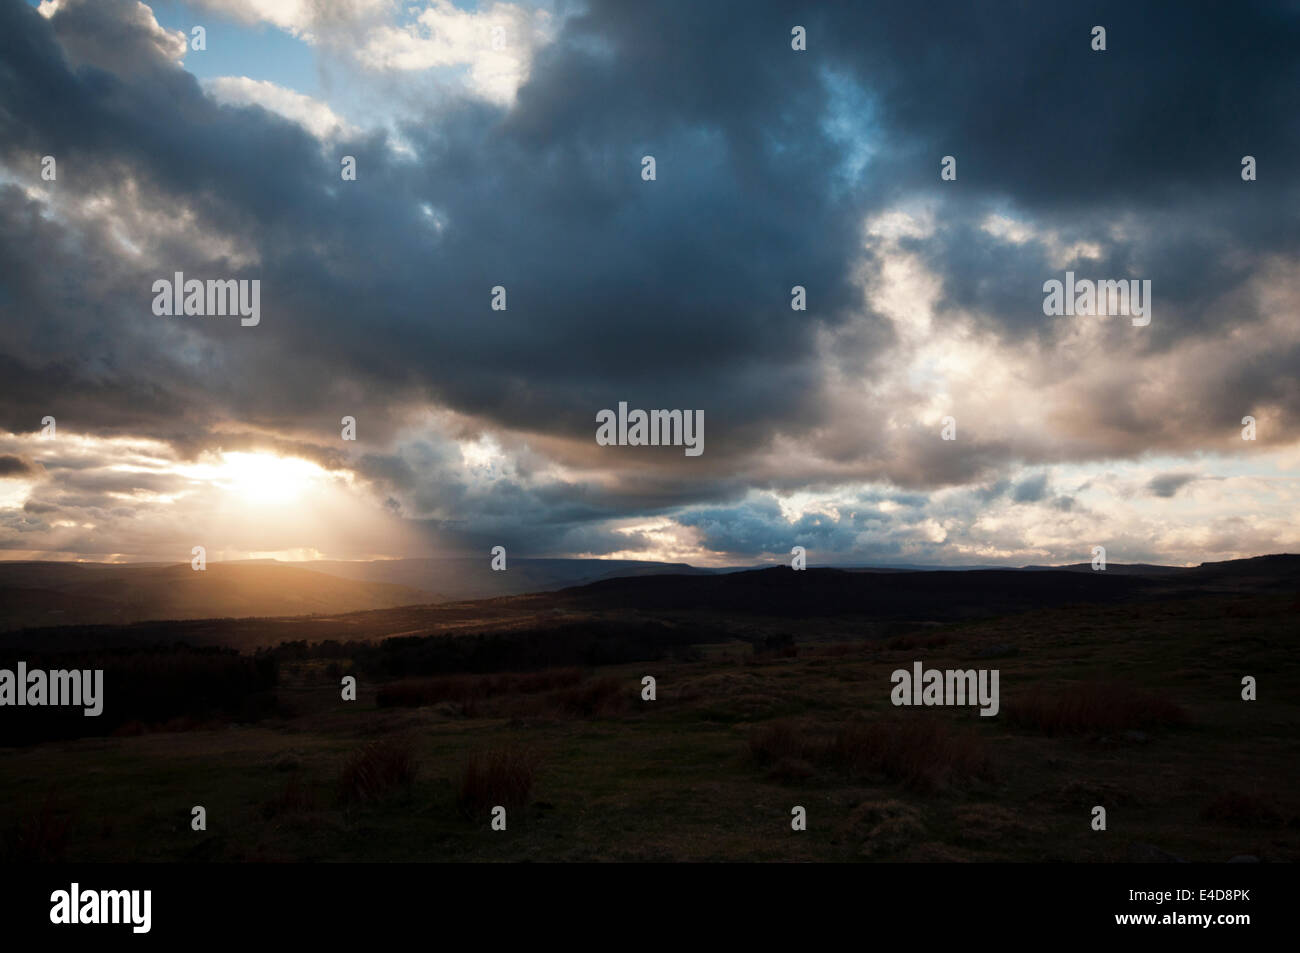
597, 698
924, 754
294, 798
498, 776
1086, 707
783, 740
376, 770
885, 827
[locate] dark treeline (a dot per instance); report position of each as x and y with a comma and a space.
593, 642
148, 687
145, 687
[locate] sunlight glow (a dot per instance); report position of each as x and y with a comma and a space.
259, 477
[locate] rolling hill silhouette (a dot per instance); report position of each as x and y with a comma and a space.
777, 593
45, 593
62, 593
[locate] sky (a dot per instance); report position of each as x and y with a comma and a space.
502, 145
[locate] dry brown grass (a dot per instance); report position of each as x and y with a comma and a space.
783, 740
294, 798
885, 827
924, 754
1242, 810
498, 776
1088, 707
601, 697
376, 770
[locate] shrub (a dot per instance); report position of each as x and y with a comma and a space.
376, 770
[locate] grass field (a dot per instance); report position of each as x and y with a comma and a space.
1134, 708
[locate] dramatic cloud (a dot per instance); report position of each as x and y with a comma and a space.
117, 35
510, 153
11, 466
496, 45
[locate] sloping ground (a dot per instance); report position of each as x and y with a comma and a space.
450, 578
710, 770
738, 599
936, 595
45, 594
60, 593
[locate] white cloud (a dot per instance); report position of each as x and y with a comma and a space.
305, 19
495, 45
312, 114
118, 37
1059, 252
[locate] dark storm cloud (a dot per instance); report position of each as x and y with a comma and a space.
1167, 484
1162, 117
672, 293
759, 526
13, 466
859, 529
522, 537
1031, 490
1150, 132
115, 482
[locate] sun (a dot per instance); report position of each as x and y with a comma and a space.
266, 478
260, 477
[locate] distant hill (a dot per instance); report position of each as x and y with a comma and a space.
49, 593
938, 595
1119, 569
707, 601
931, 595
454, 578
61, 593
